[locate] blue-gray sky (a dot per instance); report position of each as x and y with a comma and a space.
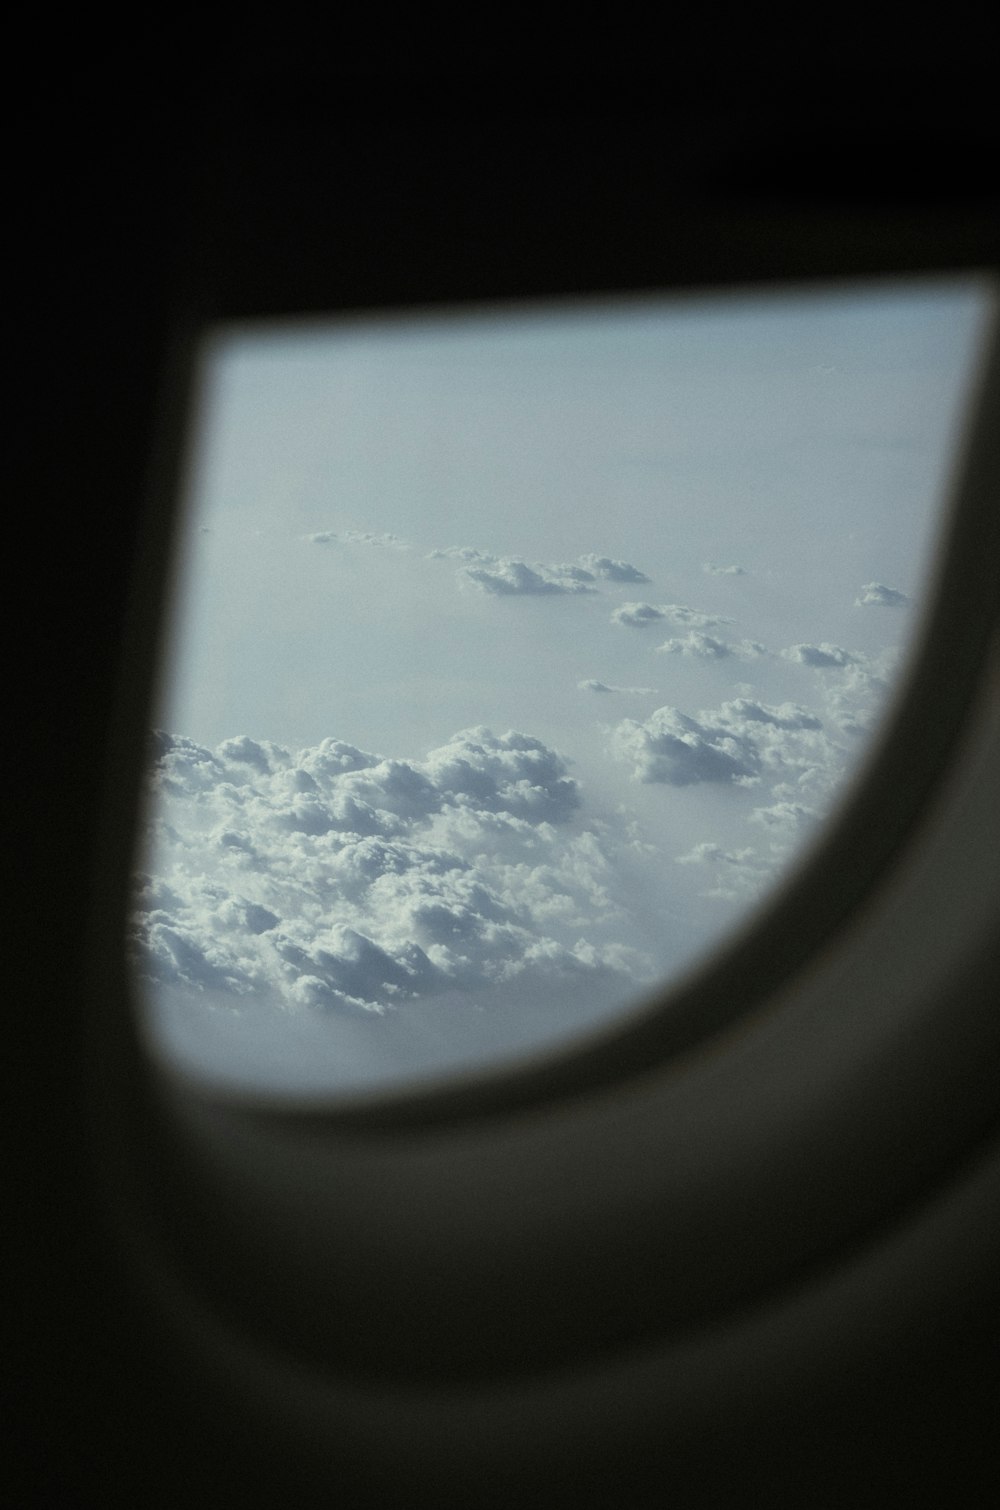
550, 635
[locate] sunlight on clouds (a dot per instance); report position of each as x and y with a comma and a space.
342, 879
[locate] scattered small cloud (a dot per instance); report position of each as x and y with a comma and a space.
594, 686
692, 618
367, 537
821, 656
636, 615
639, 615
713, 570
707, 648
614, 571
512, 576
358, 537
509, 577
880, 595
460, 553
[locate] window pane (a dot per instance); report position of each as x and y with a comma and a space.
514, 655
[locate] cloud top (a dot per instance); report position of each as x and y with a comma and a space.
881, 596
338, 879
706, 647
513, 576
613, 571
509, 577
821, 656
735, 744
640, 615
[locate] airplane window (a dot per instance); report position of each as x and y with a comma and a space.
515, 655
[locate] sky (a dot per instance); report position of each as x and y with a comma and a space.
515, 656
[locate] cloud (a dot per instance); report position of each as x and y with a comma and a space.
639, 615
594, 686
740, 743
614, 571
691, 618
367, 537
712, 570
882, 596
672, 748
512, 576
855, 696
358, 537
707, 647
736, 874
263, 755
636, 615
855, 684
509, 577
744, 712
460, 553
337, 879
820, 656
785, 815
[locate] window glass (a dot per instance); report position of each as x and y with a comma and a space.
514, 655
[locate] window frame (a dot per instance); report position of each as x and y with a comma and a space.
234, 1216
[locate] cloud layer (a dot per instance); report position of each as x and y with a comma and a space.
337, 879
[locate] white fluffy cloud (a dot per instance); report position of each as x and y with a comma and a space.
512, 576
820, 656
880, 595
334, 878
614, 571
636, 615
712, 570
786, 754
706, 647
640, 615
507, 576
740, 744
